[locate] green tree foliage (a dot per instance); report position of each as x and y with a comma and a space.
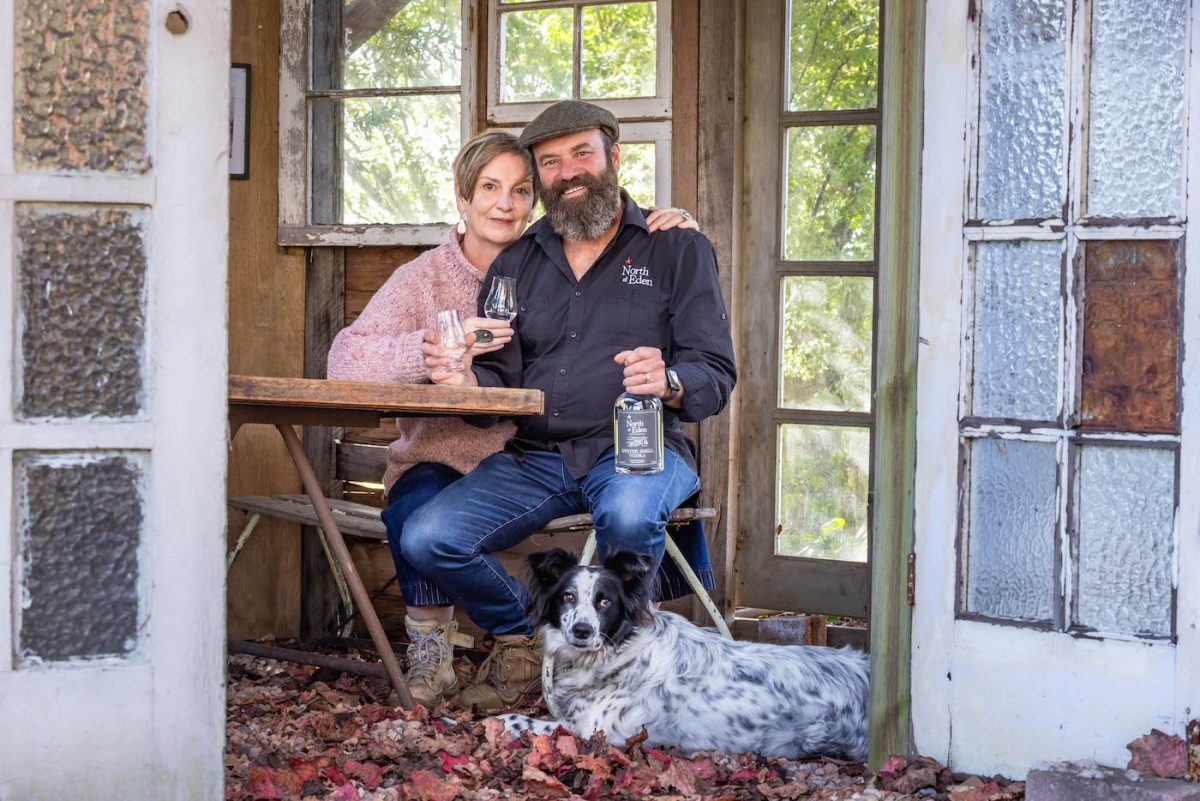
397, 151
826, 323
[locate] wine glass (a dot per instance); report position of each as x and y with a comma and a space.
454, 341
501, 303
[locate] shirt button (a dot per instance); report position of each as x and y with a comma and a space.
556, 412
722, 316
573, 335
562, 371
578, 294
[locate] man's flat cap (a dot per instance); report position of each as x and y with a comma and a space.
568, 116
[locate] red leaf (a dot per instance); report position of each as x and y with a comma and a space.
333, 774
567, 745
261, 783
894, 764
542, 785
347, 792
494, 732
658, 756
745, 774
425, 785
679, 776
1159, 754
984, 792
306, 769
449, 763
370, 773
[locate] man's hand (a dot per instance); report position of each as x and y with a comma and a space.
437, 361
501, 334
645, 371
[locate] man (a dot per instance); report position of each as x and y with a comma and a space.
604, 307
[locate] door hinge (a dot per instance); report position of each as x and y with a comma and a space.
912, 578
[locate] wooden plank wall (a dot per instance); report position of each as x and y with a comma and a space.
266, 337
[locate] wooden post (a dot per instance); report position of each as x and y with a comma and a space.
902, 72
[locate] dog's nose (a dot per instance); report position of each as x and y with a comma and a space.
581, 631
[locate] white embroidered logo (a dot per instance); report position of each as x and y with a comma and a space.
635, 275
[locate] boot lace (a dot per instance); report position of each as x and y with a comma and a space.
425, 654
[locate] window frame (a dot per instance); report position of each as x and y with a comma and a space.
1073, 236
642, 119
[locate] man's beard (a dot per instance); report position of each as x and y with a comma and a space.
588, 217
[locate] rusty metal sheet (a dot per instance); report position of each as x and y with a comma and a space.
1130, 378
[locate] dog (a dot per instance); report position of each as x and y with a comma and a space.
619, 666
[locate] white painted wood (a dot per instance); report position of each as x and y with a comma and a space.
293, 115
996, 698
151, 725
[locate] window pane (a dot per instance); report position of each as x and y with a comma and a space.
1022, 170
1010, 551
1135, 144
418, 43
620, 57
396, 156
833, 54
830, 193
535, 55
637, 171
1126, 534
825, 347
1131, 336
822, 492
1018, 318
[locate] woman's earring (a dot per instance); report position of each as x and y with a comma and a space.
462, 224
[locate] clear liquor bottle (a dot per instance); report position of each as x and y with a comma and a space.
638, 434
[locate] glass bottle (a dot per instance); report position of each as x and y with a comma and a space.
638, 434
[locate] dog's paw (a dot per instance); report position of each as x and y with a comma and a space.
517, 725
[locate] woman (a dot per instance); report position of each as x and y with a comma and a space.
494, 193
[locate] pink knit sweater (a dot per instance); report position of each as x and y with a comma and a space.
384, 344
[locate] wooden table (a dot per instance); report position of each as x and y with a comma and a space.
287, 402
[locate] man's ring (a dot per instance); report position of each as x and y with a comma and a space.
483, 336
685, 214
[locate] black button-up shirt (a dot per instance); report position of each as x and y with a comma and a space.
658, 290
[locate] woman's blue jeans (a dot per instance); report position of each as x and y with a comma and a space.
450, 539
415, 487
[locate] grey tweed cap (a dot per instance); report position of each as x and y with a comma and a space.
568, 116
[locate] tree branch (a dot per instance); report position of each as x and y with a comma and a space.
364, 18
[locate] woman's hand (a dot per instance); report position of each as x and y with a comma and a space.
437, 361
663, 219
501, 334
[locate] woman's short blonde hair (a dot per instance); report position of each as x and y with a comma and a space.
478, 153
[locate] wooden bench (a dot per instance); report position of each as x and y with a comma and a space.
363, 521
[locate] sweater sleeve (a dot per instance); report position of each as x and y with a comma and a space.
384, 343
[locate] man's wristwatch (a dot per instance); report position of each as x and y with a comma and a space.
673, 385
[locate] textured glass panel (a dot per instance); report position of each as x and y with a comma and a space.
79, 528
1010, 550
637, 171
1126, 535
620, 54
1018, 319
833, 54
825, 349
418, 43
82, 315
830, 193
80, 85
1130, 376
535, 55
1135, 144
396, 156
822, 492
1022, 129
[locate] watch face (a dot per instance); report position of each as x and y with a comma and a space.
672, 380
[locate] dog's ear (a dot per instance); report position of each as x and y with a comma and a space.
547, 567
632, 568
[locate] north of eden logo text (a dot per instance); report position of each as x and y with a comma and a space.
637, 435
635, 275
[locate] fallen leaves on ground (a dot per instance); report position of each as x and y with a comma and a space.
300, 732
1159, 754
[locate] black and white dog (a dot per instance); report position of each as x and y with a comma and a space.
619, 667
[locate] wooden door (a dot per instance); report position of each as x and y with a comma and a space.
114, 137
808, 307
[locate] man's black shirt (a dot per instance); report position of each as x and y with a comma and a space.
659, 290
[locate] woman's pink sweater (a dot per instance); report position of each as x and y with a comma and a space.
384, 344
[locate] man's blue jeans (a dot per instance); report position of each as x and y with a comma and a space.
450, 539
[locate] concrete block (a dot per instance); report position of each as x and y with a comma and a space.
1090, 783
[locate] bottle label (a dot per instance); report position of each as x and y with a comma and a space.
638, 440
